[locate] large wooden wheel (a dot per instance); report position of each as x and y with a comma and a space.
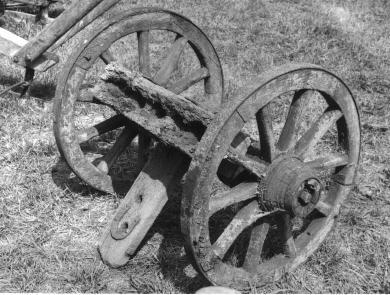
248, 225
167, 48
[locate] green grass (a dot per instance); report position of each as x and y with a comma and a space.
50, 223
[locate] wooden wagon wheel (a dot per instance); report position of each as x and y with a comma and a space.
188, 43
253, 231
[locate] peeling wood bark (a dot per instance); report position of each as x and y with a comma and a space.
173, 104
163, 128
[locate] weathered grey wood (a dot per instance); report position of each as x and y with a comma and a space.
257, 168
241, 192
51, 33
267, 141
121, 143
10, 44
164, 129
144, 140
97, 11
173, 104
171, 62
317, 131
107, 56
330, 161
255, 247
144, 143
244, 218
143, 38
185, 83
141, 206
287, 237
324, 208
101, 128
288, 136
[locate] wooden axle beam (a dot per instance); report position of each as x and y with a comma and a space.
171, 118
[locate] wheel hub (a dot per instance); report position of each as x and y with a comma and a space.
290, 185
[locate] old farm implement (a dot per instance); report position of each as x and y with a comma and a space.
265, 172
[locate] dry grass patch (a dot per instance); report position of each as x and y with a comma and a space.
50, 222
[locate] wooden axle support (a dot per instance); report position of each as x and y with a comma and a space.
177, 123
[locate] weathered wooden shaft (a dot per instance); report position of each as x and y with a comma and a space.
51, 33
97, 11
171, 118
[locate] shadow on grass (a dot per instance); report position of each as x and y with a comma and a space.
44, 91
173, 263
65, 179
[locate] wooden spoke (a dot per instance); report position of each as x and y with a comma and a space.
101, 128
330, 161
287, 237
323, 207
124, 139
230, 171
144, 67
170, 63
255, 167
241, 143
107, 57
241, 192
193, 78
317, 131
244, 218
290, 129
255, 247
267, 141
144, 141
144, 52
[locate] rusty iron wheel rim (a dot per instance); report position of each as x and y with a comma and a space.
122, 23
197, 205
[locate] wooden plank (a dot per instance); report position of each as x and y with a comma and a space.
10, 43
